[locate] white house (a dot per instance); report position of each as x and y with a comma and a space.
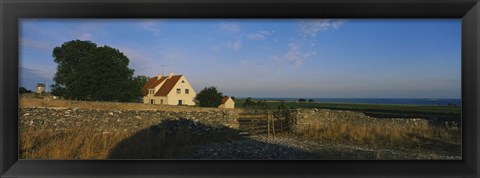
227, 102
171, 90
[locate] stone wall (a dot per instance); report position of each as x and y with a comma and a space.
301, 118
57, 119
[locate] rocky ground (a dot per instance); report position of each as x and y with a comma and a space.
290, 148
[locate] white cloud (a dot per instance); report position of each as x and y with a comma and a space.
230, 26
260, 35
312, 27
234, 32
235, 44
294, 55
150, 26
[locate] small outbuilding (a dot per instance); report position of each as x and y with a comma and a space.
40, 88
227, 102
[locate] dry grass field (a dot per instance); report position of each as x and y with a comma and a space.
419, 139
164, 141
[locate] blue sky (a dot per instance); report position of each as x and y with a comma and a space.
316, 58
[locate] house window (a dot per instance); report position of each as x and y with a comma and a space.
161, 101
183, 81
178, 91
150, 91
187, 91
152, 101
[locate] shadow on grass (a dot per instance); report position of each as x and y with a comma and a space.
440, 147
179, 139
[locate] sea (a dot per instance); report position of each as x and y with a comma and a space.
409, 101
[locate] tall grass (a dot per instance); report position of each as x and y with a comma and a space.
155, 142
383, 134
74, 143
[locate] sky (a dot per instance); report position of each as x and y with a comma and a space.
287, 58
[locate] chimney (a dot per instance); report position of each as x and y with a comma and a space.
170, 75
159, 76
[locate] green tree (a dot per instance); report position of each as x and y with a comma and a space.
310, 100
209, 97
282, 105
301, 100
88, 72
249, 102
23, 90
139, 81
261, 104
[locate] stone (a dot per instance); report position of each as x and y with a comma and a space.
65, 118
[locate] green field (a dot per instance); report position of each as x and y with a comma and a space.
436, 113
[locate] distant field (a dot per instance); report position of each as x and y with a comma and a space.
439, 113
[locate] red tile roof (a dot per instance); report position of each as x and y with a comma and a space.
164, 89
154, 84
168, 85
224, 99
146, 86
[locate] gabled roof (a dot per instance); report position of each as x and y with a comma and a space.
165, 88
224, 100
154, 84
146, 86
151, 83
168, 85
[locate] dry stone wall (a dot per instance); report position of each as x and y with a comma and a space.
302, 118
57, 119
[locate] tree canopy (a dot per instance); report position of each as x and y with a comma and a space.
23, 90
88, 72
252, 103
209, 97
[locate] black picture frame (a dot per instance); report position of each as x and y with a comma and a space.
11, 11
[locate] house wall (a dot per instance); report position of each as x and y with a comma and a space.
187, 99
146, 99
40, 89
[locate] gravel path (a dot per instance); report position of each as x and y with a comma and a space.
286, 147
255, 147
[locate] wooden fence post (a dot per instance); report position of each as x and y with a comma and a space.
268, 127
273, 125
